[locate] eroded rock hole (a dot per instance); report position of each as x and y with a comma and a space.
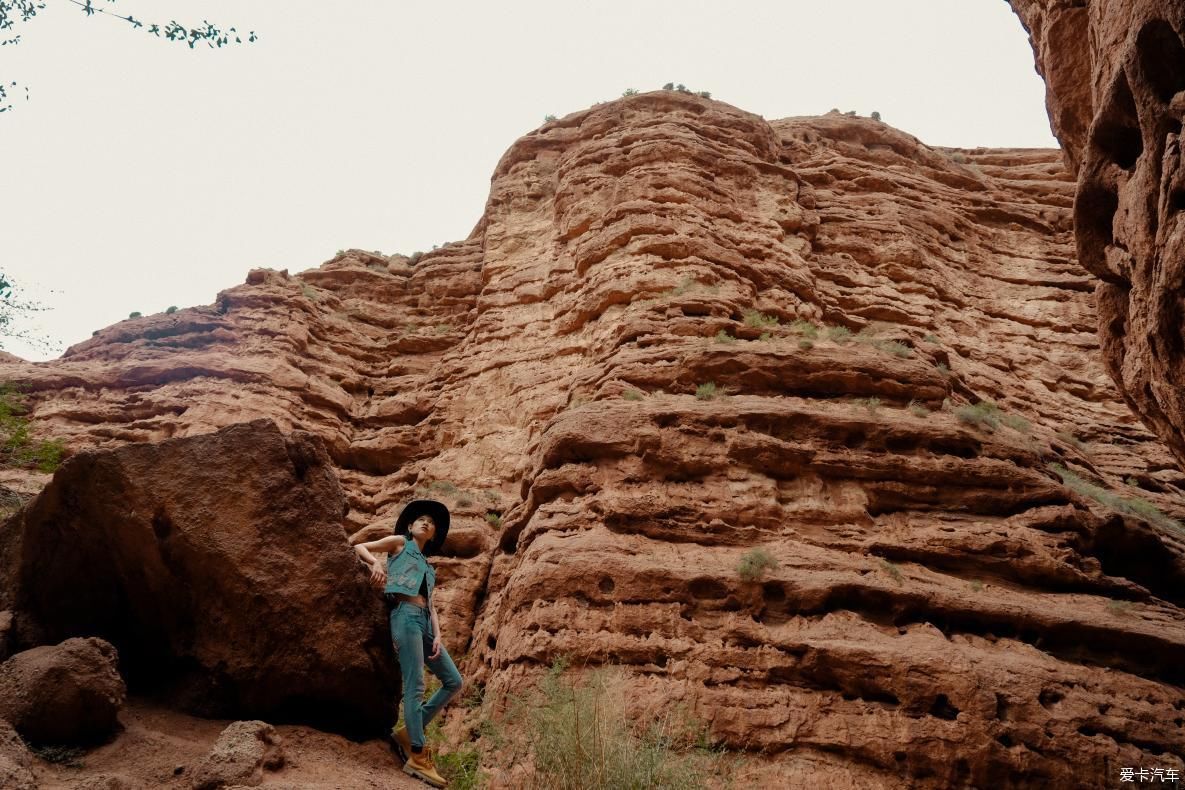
607, 585
162, 527
492, 642
1050, 697
942, 708
1117, 132
1094, 215
773, 592
1162, 59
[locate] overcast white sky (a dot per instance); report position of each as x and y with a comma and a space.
141, 174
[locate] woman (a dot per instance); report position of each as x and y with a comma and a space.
408, 579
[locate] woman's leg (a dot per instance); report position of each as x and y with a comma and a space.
408, 634
446, 671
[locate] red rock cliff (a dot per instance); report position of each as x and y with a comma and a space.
944, 610
1115, 77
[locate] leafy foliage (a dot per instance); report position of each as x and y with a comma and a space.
17, 12
706, 391
13, 308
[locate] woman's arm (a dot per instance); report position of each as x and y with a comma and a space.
392, 544
435, 630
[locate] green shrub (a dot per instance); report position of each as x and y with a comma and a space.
632, 395
1016, 423
943, 368
805, 328
984, 413
548, 118
581, 738
1071, 440
929, 338
135, 314
917, 409
895, 348
460, 767
415, 257
1134, 506
754, 564
670, 86
759, 320
706, 391
876, 116
839, 334
494, 519
705, 95
893, 570
17, 447
975, 585
724, 337
464, 501
872, 404
629, 92
1120, 608
763, 336
685, 285
682, 88
806, 344
170, 309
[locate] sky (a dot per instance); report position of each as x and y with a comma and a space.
139, 174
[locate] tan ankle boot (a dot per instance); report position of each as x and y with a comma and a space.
420, 766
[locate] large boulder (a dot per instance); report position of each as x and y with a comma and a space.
67, 693
219, 567
240, 755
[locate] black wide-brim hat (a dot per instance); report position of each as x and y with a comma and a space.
424, 507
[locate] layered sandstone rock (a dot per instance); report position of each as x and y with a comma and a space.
1115, 77
217, 564
943, 610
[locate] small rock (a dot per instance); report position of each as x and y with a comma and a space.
240, 755
65, 693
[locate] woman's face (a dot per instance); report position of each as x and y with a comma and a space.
424, 527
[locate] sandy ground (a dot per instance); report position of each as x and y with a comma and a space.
159, 748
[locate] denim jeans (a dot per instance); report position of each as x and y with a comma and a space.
411, 630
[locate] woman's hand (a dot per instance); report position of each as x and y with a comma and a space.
378, 574
435, 647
